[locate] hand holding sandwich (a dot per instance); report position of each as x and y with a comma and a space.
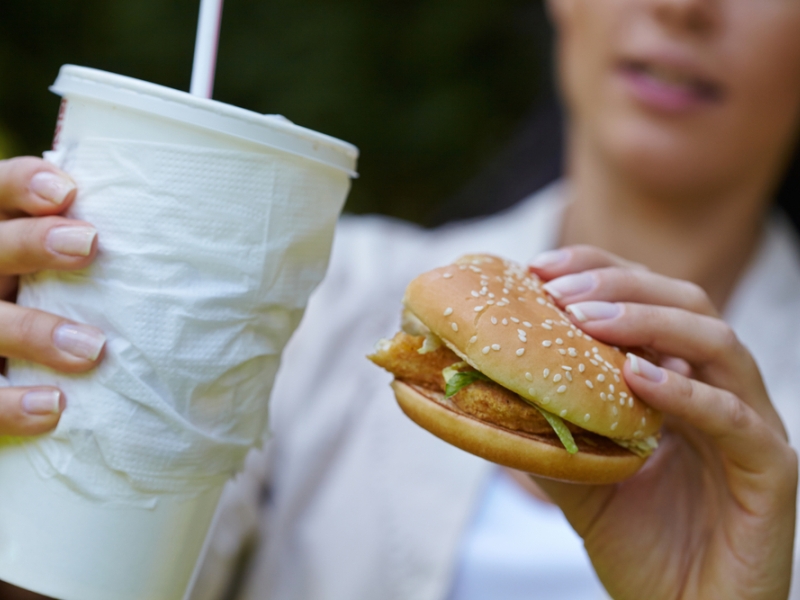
712, 514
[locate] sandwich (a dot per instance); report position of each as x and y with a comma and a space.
487, 362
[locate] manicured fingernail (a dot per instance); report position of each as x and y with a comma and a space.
42, 402
549, 259
594, 311
51, 186
645, 369
81, 341
570, 285
73, 241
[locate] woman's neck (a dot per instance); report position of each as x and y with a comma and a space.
707, 239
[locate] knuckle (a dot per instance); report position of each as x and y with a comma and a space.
26, 328
736, 415
726, 342
696, 297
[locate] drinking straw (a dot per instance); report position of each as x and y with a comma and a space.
205, 48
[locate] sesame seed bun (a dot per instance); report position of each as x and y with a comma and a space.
599, 461
495, 315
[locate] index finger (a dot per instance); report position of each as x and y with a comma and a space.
32, 186
574, 259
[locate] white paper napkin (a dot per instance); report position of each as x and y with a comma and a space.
206, 261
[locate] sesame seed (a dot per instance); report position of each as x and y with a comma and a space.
447, 275
494, 320
521, 351
521, 335
563, 413
546, 373
528, 376
547, 343
595, 349
562, 389
549, 321
614, 426
548, 327
546, 400
541, 301
559, 341
556, 377
475, 269
483, 291
611, 387
569, 376
528, 325
589, 384
644, 421
473, 339
486, 349
630, 402
588, 337
605, 368
616, 377
566, 368
495, 347
454, 326
520, 298
581, 367
478, 308
474, 294
594, 362
622, 401
514, 319
601, 378
637, 434
587, 354
462, 267
570, 334
505, 291
572, 352
587, 416
531, 392
602, 395
448, 311
623, 394
611, 397
614, 411
562, 352
504, 321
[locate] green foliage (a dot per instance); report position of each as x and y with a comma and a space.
427, 89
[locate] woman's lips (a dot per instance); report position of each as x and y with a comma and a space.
667, 89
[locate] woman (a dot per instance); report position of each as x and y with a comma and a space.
682, 114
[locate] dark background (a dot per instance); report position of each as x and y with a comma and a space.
429, 90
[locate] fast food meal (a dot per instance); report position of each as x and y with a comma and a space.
487, 362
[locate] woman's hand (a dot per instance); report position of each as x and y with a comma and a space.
33, 238
712, 513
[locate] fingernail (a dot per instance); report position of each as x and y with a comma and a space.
645, 369
51, 186
549, 259
594, 311
81, 341
72, 241
570, 285
42, 402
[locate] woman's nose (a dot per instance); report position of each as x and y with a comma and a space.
698, 17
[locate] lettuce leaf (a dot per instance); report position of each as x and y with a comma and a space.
456, 379
563, 433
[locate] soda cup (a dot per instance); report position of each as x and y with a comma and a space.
215, 224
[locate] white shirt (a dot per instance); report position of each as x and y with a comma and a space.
365, 504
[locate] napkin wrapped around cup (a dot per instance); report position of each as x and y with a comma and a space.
206, 260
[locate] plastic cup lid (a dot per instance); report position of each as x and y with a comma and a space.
274, 131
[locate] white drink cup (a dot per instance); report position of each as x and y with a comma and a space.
53, 539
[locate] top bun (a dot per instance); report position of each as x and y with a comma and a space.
495, 315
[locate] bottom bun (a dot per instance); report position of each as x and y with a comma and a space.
599, 460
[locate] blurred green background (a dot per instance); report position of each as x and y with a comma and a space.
429, 90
